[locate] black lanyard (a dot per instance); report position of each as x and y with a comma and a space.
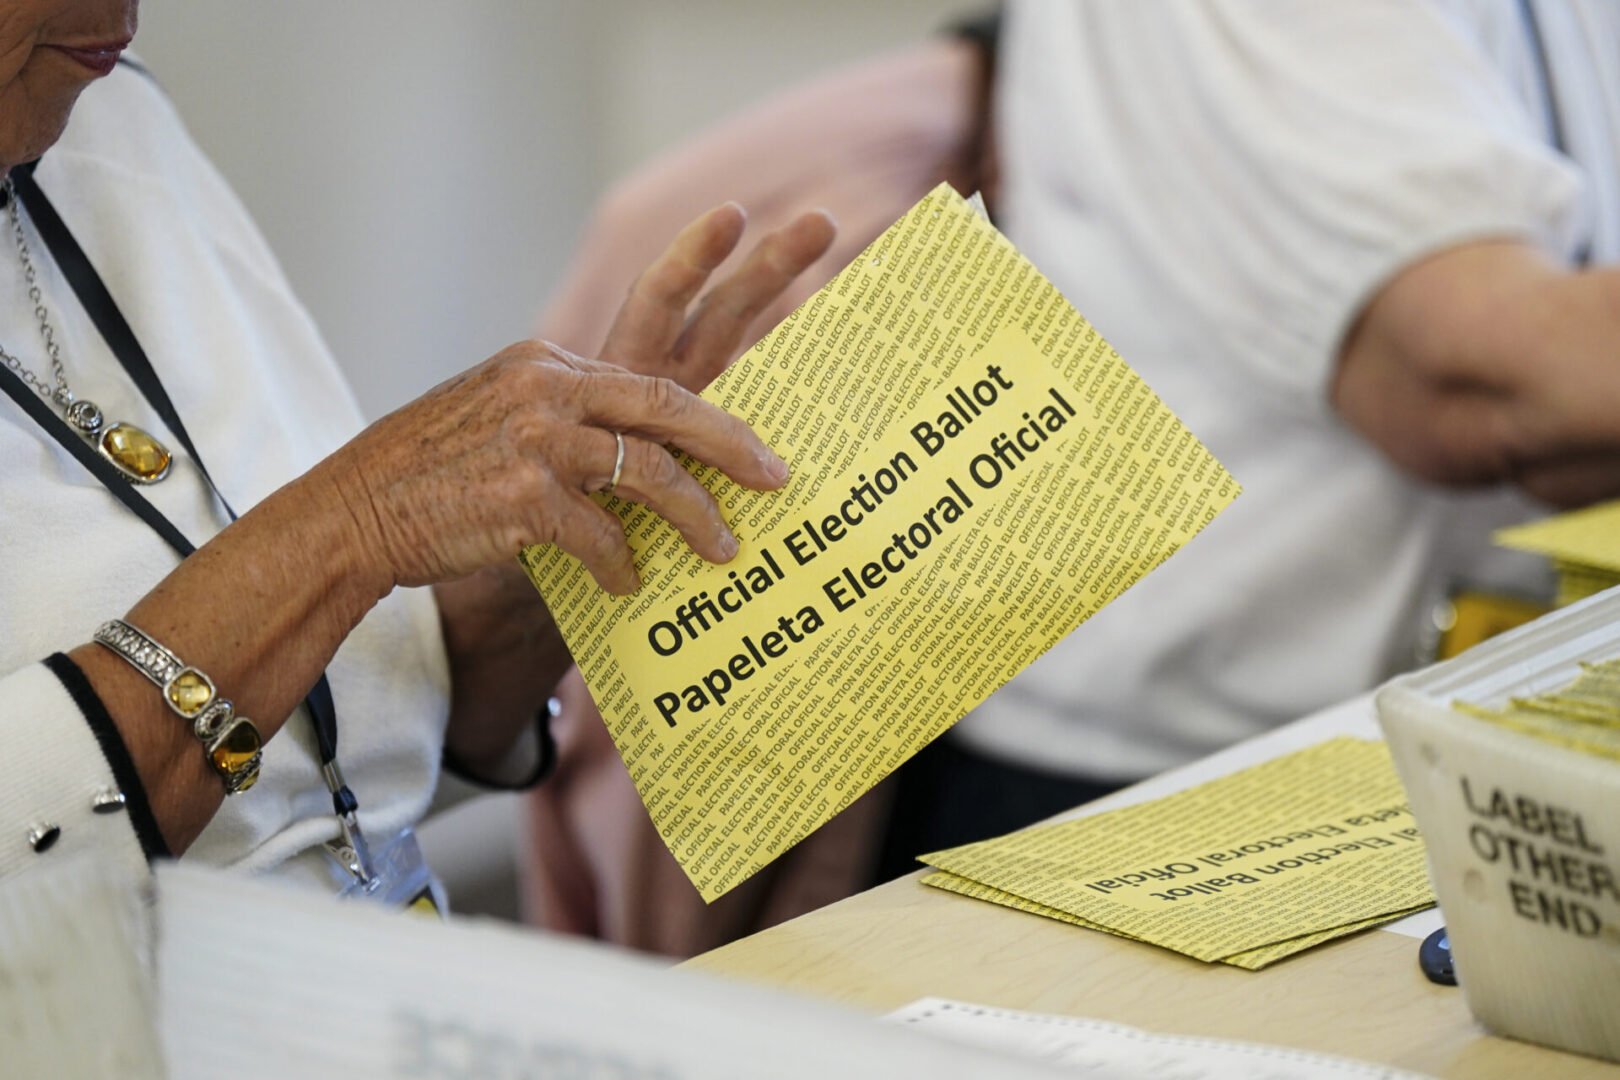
115, 330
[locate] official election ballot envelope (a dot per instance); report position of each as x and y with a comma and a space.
975, 472
1246, 869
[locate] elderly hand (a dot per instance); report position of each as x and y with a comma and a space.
503, 645
504, 649
504, 454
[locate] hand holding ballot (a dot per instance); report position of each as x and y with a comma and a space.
968, 454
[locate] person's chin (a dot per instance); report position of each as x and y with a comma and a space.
45, 120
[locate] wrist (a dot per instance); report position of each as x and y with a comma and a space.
340, 530
264, 605
506, 658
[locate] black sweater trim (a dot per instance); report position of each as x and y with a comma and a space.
117, 754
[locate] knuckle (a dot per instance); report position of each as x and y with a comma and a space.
558, 358
527, 429
607, 534
776, 250
663, 285
665, 396
515, 373
515, 537
523, 487
535, 368
544, 510
513, 353
649, 460
650, 288
523, 359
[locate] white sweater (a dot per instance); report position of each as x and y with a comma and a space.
263, 401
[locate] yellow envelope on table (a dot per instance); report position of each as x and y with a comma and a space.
1249, 960
1301, 846
976, 472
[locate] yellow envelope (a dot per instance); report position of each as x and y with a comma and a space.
1582, 716
1251, 960
975, 473
1588, 538
1311, 842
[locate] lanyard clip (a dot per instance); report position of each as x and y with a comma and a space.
352, 851
360, 865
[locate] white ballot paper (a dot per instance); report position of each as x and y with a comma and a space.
259, 981
74, 999
1117, 1052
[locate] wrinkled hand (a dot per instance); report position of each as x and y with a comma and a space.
654, 334
505, 650
504, 454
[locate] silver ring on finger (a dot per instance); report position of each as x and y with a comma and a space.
618, 464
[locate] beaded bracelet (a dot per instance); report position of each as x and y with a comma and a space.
234, 746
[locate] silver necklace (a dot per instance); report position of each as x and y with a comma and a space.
138, 456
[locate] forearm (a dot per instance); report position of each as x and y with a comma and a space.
260, 609
1488, 363
506, 657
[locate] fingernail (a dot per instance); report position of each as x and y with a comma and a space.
775, 467
728, 546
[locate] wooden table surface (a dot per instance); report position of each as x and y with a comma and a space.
1362, 997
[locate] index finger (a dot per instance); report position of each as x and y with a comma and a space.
647, 325
716, 330
661, 411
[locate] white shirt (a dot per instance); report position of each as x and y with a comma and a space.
1219, 186
263, 401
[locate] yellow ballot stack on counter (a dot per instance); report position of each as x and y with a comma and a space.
1584, 546
1246, 869
976, 472
1583, 716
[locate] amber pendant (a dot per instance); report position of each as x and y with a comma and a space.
141, 458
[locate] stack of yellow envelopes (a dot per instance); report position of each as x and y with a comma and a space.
1584, 546
1244, 870
1583, 716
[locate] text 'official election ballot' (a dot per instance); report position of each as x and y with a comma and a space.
975, 472
1247, 869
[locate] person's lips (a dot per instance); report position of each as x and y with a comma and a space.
100, 58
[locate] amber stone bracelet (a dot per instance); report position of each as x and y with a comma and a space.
233, 743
